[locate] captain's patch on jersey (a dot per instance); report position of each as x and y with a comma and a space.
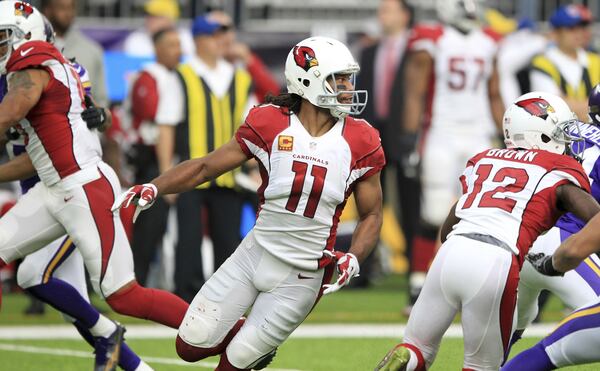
285, 143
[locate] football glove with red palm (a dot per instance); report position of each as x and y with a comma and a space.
143, 197
347, 268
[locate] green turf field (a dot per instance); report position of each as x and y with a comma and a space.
381, 304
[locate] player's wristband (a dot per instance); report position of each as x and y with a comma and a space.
547, 268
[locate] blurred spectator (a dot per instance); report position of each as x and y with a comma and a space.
566, 68
153, 100
218, 96
588, 32
452, 88
514, 58
381, 74
74, 44
160, 14
239, 54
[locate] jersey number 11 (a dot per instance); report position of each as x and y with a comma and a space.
318, 173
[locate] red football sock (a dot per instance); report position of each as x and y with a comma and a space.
422, 254
225, 365
152, 304
190, 353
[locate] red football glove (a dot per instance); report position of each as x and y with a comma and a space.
143, 197
347, 268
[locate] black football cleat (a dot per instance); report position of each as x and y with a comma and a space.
265, 360
108, 350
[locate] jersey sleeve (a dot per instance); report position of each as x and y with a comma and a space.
568, 170
144, 97
424, 38
31, 55
374, 162
262, 125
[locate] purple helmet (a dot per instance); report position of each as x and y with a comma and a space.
594, 105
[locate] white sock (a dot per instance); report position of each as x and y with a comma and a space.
143, 366
104, 327
413, 362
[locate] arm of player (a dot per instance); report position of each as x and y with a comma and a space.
580, 245
449, 223
496, 104
25, 88
416, 82
191, 173
183, 177
18, 168
587, 241
368, 196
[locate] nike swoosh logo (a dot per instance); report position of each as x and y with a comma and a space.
25, 52
301, 277
67, 199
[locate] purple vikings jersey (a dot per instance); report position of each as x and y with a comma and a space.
17, 147
591, 163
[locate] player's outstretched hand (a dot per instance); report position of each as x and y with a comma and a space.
543, 264
143, 197
347, 268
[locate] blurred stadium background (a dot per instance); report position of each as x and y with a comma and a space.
270, 28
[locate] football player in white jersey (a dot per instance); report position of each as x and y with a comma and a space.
45, 102
312, 156
510, 196
452, 90
55, 274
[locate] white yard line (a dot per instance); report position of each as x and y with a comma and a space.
304, 331
83, 354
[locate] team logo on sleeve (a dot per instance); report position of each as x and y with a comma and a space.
23, 9
285, 143
536, 107
305, 57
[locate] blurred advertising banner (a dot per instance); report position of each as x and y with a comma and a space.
120, 67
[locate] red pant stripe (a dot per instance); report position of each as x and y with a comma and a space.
508, 304
100, 198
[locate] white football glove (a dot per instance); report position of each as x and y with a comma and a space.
347, 268
143, 197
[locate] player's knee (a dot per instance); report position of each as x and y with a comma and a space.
199, 326
251, 345
242, 354
28, 275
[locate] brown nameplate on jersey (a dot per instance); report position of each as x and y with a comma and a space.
285, 143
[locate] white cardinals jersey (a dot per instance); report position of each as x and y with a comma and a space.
463, 64
56, 137
510, 194
306, 180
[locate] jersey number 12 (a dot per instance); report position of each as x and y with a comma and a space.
489, 198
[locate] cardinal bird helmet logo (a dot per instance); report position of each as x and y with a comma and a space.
305, 57
536, 106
